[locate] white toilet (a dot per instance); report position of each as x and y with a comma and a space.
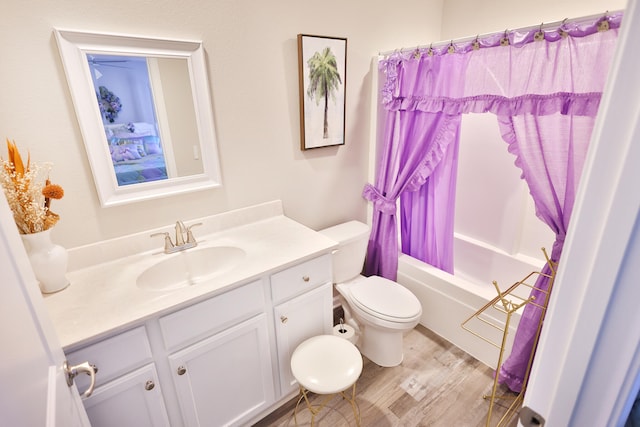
379, 309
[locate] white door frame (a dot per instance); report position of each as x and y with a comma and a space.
588, 358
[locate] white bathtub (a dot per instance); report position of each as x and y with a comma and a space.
448, 300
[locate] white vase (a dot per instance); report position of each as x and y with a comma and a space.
48, 260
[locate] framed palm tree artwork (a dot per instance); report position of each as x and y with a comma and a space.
322, 71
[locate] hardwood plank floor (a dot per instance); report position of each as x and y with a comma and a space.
436, 385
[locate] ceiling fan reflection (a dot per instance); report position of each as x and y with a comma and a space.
107, 62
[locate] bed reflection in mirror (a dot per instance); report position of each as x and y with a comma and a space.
140, 112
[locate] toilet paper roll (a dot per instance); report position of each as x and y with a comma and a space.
345, 331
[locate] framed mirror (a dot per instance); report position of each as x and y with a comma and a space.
145, 114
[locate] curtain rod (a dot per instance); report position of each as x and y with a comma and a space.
542, 26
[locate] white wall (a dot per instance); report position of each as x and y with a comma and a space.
462, 18
492, 202
252, 64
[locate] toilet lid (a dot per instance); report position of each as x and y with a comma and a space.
384, 298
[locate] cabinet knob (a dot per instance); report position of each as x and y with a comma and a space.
305, 278
149, 385
284, 319
181, 370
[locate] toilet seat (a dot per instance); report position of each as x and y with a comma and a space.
385, 299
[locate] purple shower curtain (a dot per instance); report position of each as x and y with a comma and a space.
431, 134
545, 93
415, 141
425, 214
550, 151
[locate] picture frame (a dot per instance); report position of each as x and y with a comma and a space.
322, 63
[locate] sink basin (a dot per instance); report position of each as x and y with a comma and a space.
189, 267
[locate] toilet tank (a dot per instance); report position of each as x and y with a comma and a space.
348, 259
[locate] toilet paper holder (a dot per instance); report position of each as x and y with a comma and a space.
345, 331
342, 329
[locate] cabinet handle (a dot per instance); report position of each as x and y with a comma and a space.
305, 278
149, 385
283, 319
182, 370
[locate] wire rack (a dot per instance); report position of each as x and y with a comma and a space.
491, 324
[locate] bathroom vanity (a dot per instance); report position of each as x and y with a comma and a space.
214, 350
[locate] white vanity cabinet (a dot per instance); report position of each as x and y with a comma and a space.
127, 389
222, 373
302, 297
221, 361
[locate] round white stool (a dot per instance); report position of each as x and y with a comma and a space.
326, 365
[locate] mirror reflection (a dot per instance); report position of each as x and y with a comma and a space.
145, 113
132, 93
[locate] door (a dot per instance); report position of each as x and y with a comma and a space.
298, 319
587, 364
227, 378
134, 399
32, 382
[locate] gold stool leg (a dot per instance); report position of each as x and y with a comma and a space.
354, 405
315, 409
304, 395
295, 411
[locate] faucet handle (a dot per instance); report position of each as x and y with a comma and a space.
168, 244
190, 238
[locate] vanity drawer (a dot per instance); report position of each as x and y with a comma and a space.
208, 317
300, 278
113, 356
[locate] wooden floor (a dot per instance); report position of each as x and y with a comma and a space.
437, 384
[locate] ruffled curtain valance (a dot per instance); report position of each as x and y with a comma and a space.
575, 104
506, 80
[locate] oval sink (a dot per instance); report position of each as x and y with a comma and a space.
189, 267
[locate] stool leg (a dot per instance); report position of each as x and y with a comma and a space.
304, 395
315, 410
295, 411
354, 404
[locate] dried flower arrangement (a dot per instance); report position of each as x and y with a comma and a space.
28, 194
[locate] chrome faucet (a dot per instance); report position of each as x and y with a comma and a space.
180, 242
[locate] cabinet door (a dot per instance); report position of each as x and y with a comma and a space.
296, 320
227, 378
134, 399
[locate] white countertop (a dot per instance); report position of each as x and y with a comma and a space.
104, 298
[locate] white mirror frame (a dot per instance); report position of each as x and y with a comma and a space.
74, 46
